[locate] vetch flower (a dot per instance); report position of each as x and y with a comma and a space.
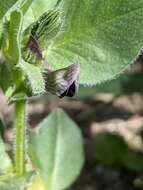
37, 37
62, 82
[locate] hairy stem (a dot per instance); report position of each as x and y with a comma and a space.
20, 137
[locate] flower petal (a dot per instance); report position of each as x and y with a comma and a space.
62, 82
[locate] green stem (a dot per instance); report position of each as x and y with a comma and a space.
20, 125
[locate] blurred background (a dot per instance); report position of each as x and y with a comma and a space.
110, 116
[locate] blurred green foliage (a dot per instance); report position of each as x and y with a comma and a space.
123, 85
112, 150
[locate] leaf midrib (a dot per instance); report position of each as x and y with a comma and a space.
57, 149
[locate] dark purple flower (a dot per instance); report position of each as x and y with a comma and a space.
62, 82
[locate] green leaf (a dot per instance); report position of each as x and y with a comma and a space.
34, 76
17, 183
5, 5
105, 36
56, 150
4, 158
